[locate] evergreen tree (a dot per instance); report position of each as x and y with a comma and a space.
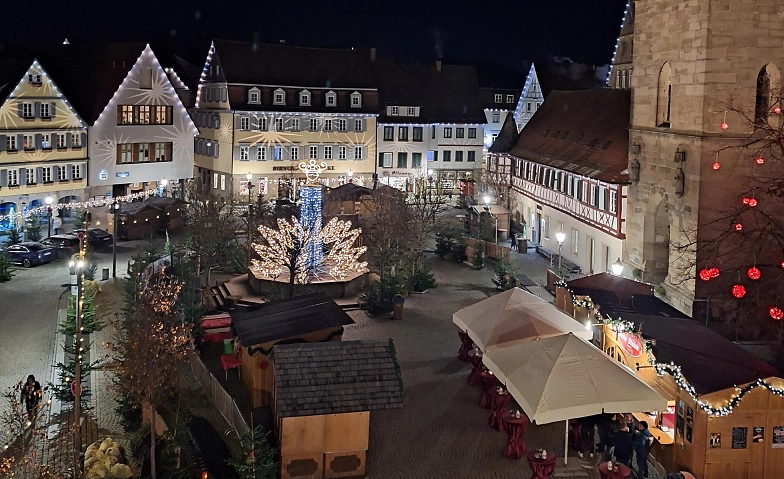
6, 269
33, 229
258, 457
504, 276
14, 237
478, 261
168, 248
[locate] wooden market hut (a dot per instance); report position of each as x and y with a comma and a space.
480, 215
139, 219
744, 444
324, 393
302, 319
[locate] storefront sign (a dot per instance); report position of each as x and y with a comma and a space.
631, 344
103, 175
122, 174
295, 168
778, 437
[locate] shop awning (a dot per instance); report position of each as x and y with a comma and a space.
512, 317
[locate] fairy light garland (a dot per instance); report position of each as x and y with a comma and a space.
80, 205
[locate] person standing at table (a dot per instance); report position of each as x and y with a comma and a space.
587, 433
609, 425
642, 439
622, 441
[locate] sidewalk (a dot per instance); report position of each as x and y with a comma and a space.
531, 269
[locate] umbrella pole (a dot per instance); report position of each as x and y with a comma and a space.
566, 443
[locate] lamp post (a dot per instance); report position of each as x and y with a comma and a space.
350, 176
560, 237
49, 200
76, 386
249, 177
115, 211
617, 268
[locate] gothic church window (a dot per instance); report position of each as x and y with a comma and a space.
768, 92
664, 97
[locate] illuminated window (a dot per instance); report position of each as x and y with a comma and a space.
144, 115
162, 114
144, 153
29, 142
126, 115
46, 141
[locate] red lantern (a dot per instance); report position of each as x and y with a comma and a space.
716, 165
754, 273
777, 110
760, 160
776, 313
752, 202
705, 275
738, 227
714, 272
724, 125
738, 291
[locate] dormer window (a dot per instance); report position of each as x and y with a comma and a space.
498, 98
356, 100
34, 78
304, 98
411, 111
279, 97
331, 98
254, 95
395, 110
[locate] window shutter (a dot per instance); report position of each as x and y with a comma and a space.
83, 137
56, 173
53, 109
68, 140
19, 142
38, 141
2, 142
19, 109
3, 178
37, 111
381, 160
39, 174
254, 123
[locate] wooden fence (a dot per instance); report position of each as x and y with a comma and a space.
222, 400
492, 250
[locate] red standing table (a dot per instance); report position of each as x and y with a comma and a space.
488, 381
498, 402
620, 471
466, 344
475, 358
230, 361
542, 468
515, 427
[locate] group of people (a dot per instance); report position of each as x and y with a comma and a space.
620, 436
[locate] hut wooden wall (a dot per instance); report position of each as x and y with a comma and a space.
325, 446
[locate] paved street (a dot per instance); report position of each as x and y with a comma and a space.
441, 431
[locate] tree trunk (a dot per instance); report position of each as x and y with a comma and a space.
291, 282
152, 442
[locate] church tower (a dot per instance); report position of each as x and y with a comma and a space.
696, 68
620, 75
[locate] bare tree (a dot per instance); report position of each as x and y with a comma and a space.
425, 208
22, 437
388, 218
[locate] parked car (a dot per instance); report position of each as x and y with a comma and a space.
64, 245
97, 238
30, 253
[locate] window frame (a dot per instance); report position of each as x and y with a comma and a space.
46, 174
279, 97
358, 149
359, 125
411, 110
28, 112
402, 133
331, 99
76, 172
294, 152
304, 98
261, 152
244, 153
254, 92
395, 111
499, 98
385, 163
389, 133
416, 133
327, 152
312, 152
356, 100
459, 132
13, 177
244, 123
328, 124
342, 152
472, 133
447, 132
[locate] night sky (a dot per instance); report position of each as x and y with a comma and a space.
510, 32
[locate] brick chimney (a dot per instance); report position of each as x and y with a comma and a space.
372, 54
438, 65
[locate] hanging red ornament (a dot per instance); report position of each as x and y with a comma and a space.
777, 110
776, 313
745, 201
782, 264
716, 165
760, 160
714, 272
705, 275
754, 273
738, 291
738, 227
724, 125
752, 202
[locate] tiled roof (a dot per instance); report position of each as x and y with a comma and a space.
584, 132
450, 95
566, 76
335, 377
284, 65
288, 318
507, 137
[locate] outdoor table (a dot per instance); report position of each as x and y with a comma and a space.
515, 427
475, 358
230, 361
542, 468
466, 344
498, 402
620, 471
488, 381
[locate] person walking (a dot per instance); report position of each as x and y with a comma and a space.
622, 441
642, 441
514, 240
31, 395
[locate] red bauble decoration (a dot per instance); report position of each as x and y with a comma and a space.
716, 165
752, 202
782, 264
714, 272
760, 160
738, 291
724, 125
745, 201
776, 313
754, 273
738, 227
777, 110
705, 275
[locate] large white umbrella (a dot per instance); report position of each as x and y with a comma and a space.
564, 377
513, 317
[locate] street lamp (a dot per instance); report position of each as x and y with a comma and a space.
617, 268
249, 177
49, 200
76, 386
487, 200
164, 182
350, 176
115, 211
560, 237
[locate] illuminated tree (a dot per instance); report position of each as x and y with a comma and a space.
150, 348
22, 438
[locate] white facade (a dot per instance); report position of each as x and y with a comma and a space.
144, 134
530, 100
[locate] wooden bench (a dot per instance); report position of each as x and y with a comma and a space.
565, 263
